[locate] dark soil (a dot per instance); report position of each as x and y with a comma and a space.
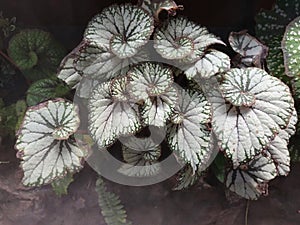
153, 205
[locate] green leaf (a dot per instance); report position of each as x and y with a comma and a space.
36, 53
291, 48
7, 73
7, 25
275, 57
111, 208
11, 117
21, 107
46, 89
61, 185
219, 167
295, 154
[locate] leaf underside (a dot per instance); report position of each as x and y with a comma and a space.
250, 181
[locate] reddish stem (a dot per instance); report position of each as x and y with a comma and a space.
8, 59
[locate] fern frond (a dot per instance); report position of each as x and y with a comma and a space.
111, 208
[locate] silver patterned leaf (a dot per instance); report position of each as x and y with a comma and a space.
141, 156
237, 86
149, 79
44, 143
243, 131
157, 110
251, 50
188, 134
111, 116
212, 63
85, 87
290, 130
187, 178
181, 39
278, 148
250, 180
120, 29
69, 74
291, 48
97, 63
67, 71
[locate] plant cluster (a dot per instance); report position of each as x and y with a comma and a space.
134, 71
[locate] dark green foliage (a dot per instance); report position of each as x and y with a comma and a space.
60, 186
270, 29
36, 53
111, 208
45, 89
7, 27
6, 73
219, 167
11, 117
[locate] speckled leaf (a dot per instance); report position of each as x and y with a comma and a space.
243, 132
210, 64
149, 79
120, 29
188, 133
158, 109
44, 143
273, 22
111, 116
275, 60
291, 48
141, 156
270, 28
182, 39
250, 181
